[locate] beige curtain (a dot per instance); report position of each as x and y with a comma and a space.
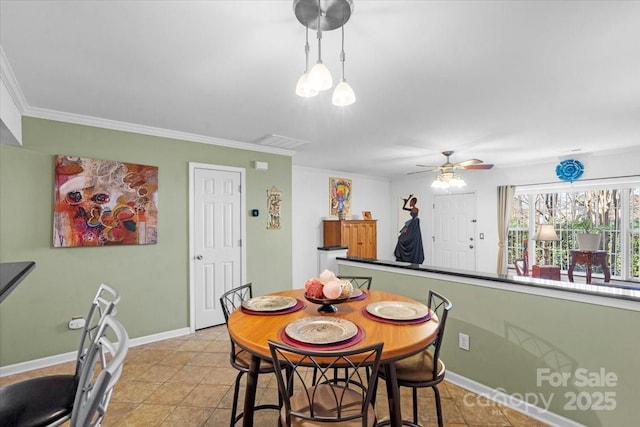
505, 202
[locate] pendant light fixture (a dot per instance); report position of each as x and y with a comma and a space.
323, 15
319, 76
303, 88
343, 93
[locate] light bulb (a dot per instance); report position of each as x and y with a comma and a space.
439, 183
320, 77
303, 88
343, 95
457, 181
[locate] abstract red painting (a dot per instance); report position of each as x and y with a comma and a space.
104, 202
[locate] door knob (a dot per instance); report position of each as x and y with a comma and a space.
470, 246
198, 257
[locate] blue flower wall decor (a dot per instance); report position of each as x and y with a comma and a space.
569, 170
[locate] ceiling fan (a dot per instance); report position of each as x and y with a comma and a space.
449, 167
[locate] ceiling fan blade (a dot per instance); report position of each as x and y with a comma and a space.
468, 162
430, 167
413, 173
480, 166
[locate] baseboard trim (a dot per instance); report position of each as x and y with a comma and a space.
511, 402
71, 356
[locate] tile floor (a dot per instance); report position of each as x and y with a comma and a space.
188, 381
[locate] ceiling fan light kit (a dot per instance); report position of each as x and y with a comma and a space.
323, 15
448, 180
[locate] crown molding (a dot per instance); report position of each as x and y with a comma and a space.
11, 83
42, 113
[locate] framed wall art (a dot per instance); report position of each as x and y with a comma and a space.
104, 202
340, 197
274, 198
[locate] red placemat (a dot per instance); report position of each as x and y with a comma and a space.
299, 306
359, 336
362, 296
368, 315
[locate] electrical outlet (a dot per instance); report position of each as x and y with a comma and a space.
76, 323
463, 341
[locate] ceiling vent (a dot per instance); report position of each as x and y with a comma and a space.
279, 141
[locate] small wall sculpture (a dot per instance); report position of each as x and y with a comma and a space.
274, 199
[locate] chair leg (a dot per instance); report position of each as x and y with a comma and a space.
414, 395
438, 405
235, 417
236, 392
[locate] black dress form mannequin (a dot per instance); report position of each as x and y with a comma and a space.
409, 247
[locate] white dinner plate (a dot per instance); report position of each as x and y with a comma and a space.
397, 310
355, 293
321, 330
269, 303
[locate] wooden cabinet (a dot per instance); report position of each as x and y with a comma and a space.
359, 235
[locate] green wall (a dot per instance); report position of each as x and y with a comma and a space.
153, 279
514, 334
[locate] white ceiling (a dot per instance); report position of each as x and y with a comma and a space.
508, 82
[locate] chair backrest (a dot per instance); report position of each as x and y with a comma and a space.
103, 304
231, 300
440, 306
362, 282
324, 397
522, 264
96, 385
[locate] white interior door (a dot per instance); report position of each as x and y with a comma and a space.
217, 254
454, 228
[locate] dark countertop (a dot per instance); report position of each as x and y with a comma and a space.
622, 290
11, 274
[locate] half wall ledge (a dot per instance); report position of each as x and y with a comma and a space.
613, 294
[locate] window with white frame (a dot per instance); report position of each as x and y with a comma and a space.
610, 208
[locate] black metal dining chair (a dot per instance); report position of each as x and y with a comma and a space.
362, 282
425, 369
48, 400
328, 401
239, 358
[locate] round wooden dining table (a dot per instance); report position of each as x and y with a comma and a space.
253, 331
